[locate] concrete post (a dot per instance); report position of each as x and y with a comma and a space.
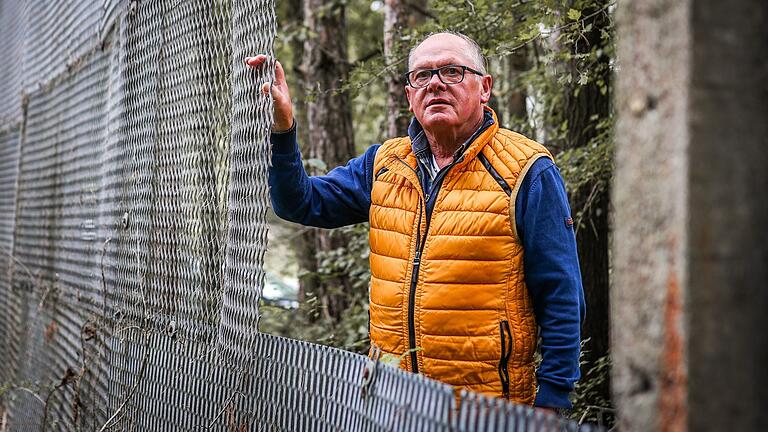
690, 247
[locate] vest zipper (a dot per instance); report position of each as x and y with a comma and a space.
506, 354
414, 280
411, 312
420, 242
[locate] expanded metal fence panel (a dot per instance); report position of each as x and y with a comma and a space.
58, 35
12, 24
289, 386
481, 413
248, 195
9, 157
56, 233
176, 129
133, 199
300, 386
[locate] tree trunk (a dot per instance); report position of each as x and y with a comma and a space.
516, 117
398, 15
329, 123
585, 107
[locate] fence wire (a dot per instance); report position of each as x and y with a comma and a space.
12, 25
133, 199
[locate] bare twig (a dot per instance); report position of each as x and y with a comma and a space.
224, 408
587, 205
139, 379
366, 57
602, 411
18, 261
34, 280
103, 279
421, 10
30, 391
68, 378
48, 290
386, 69
88, 331
471, 6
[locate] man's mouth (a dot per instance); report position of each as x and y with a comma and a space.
437, 102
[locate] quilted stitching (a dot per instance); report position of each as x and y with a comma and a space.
459, 303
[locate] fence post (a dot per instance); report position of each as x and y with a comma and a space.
690, 247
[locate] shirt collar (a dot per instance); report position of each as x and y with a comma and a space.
420, 144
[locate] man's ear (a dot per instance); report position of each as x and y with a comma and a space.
487, 86
408, 90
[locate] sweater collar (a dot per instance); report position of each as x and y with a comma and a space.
420, 144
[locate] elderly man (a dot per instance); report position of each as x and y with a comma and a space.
473, 254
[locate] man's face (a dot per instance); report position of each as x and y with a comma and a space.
438, 105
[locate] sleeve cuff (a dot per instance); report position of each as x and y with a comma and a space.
284, 142
551, 396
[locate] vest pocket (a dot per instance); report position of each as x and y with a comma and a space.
506, 354
381, 171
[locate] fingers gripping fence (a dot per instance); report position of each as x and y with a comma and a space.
133, 156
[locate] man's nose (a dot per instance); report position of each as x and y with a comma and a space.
435, 83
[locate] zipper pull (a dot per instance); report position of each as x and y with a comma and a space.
415, 272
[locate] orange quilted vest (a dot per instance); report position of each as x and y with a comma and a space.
448, 294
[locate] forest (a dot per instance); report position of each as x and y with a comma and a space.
553, 64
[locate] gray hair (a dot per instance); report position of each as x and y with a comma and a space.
476, 53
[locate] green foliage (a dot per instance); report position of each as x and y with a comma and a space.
308, 322
589, 168
365, 40
350, 260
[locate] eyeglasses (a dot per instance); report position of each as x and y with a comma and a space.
450, 74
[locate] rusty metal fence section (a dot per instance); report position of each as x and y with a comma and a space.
133, 199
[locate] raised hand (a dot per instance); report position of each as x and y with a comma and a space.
280, 94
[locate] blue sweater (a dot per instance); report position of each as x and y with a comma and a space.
343, 197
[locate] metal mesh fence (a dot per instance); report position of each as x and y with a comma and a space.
9, 303
12, 23
133, 198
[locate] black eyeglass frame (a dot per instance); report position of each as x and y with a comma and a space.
464, 70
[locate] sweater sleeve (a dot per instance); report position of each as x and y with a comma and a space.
553, 278
341, 197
